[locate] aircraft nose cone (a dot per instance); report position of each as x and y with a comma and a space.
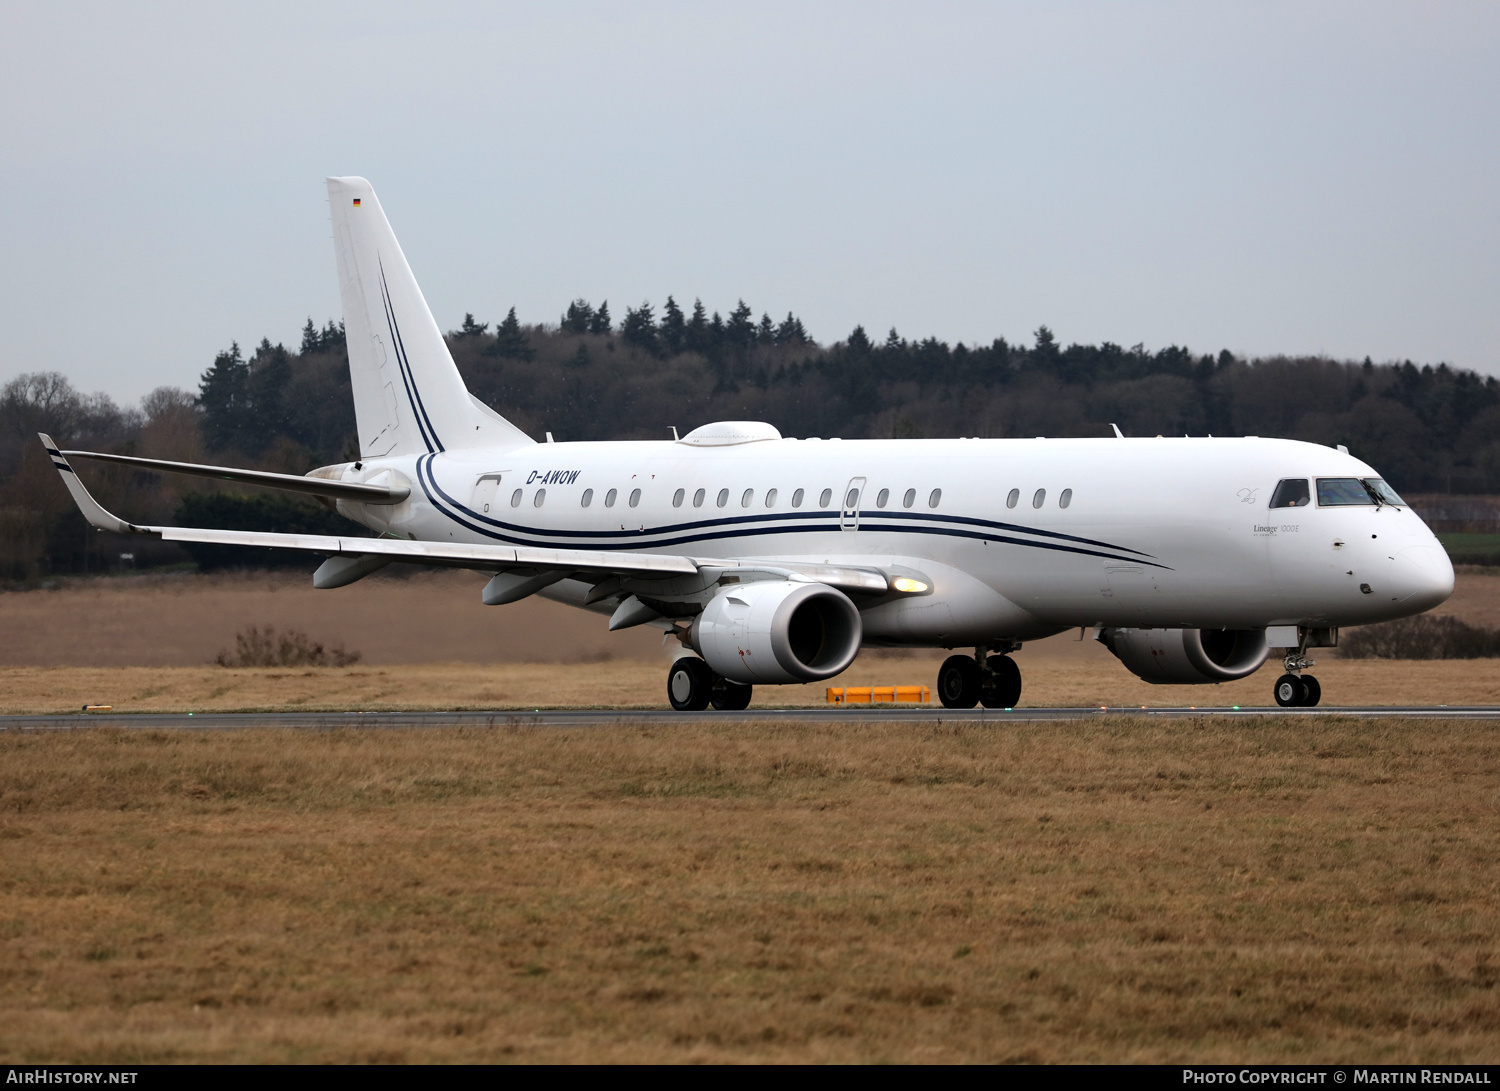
1423, 576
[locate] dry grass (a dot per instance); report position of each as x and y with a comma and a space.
1091, 680
182, 620
1107, 890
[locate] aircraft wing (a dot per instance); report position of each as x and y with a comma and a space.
454, 555
359, 556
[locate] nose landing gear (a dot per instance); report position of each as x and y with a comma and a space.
1298, 691
1295, 689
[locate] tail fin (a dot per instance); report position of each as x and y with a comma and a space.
408, 395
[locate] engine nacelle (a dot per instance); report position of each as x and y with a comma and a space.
778, 631
1188, 656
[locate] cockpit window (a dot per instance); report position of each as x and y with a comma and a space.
1383, 492
1291, 493
1342, 492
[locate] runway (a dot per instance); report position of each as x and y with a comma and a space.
327, 721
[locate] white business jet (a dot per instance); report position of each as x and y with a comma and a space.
775, 560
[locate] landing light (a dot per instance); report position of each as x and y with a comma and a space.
910, 586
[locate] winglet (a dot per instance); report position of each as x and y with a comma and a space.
86, 503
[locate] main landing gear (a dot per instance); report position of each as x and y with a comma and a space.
692, 686
993, 681
1295, 689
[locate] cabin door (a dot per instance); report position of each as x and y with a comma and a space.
485, 490
853, 494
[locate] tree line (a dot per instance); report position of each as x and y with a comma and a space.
586, 377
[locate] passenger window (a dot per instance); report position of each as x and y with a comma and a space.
677, 498
698, 498
1039, 499
771, 498
933, 500
723, 497
1335, 492
1065, 499
909, 499
609, 497
1013, 499
515, 499
826, 498
541, 497
797, 499
852, 500
588, 498
1291, 493
881, 497
635, 497
749, 496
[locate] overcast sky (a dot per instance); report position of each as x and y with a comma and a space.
1300, 177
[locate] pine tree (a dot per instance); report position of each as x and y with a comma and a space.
673, 329
470, 328
740, 329
765, 333
639, 328
223, 395
269, 375
791, 332
510, 340
695, 337
578, 318
310, 339
599, 322
332, 337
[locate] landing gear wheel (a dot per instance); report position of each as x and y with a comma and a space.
728, 696
1312, 692
1001, 687
958, 682
1290, 691
689, 684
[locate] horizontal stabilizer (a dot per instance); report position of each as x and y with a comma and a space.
491, 558
313, 486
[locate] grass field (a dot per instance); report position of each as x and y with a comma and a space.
184, 620
860, 891
1475, 549
1108, 890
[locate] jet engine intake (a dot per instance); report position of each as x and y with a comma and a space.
1187, 656
772, 631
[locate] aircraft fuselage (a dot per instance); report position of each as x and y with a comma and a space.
1163, 533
